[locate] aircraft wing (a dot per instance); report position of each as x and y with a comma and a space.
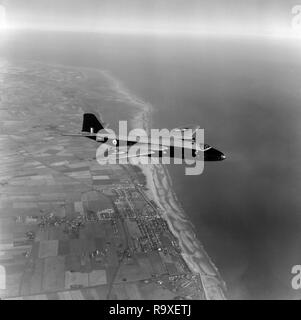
80, 134
191, 127
124, 152
118, 153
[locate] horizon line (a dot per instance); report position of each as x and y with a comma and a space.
157, 32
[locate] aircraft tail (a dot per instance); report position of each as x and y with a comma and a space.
91, 124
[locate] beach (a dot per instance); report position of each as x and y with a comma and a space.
160, 189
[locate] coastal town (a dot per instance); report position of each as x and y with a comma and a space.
70, 228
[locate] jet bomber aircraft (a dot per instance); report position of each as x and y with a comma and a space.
118, 146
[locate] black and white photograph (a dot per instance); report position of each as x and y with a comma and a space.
150, 152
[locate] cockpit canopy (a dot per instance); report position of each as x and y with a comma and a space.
204, 147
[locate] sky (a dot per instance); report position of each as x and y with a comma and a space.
171, 16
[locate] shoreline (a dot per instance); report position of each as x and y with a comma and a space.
159, 189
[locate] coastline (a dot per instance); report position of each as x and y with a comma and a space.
159, 189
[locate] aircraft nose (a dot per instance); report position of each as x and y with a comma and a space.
213, 154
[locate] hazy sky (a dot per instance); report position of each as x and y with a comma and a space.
221, 16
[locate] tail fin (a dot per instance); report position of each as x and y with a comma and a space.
91, 124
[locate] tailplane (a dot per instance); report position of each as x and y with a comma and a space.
91, 127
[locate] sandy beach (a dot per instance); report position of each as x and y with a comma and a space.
159, 185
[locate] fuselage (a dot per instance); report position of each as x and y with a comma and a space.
175, 149
161, 143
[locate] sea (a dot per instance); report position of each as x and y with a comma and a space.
245, 92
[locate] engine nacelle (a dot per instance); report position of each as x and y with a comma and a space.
102, 139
